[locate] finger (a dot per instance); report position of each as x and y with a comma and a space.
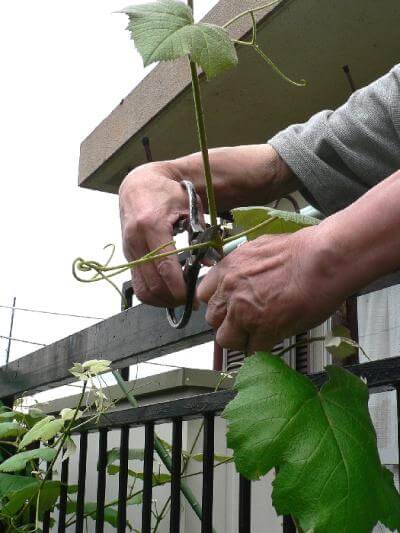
209, 284
230, 336
216, 309
168, 269
201, 211
148, 284
141, 290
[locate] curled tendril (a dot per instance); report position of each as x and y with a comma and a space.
105, 271
253, 43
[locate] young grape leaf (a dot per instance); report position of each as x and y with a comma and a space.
90, 368
35, 412
49, 493
33, 416
10, 429
68, 414
69, 449
165, 30
284, 221
339, 343
134, 454
18, 462
322, 444
6, 415
44, 430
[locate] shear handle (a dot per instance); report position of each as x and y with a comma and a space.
193, 263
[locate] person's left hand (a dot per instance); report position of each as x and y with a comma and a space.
269, 289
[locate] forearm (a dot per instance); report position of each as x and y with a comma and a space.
242, 175
339, 155
362, 242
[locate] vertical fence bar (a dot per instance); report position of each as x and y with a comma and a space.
123, 479
63, 496
175, 514
124, 373
148, 477
101, 480
398, 423
244, 505
208, 474
288, 525
80, 500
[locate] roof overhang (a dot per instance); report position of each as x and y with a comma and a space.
310, 39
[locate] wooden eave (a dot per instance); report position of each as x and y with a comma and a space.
310, 39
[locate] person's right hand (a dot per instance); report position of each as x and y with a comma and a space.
151, 202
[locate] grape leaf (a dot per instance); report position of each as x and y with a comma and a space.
43, 430
10, 429
49, 493
6, 415
11, 483
134, 454
18, 462
165, 30
286, 221
322, 443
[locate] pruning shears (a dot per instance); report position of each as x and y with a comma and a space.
197, 234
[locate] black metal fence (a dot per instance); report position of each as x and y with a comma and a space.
380, 375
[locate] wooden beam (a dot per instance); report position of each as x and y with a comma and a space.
138, 334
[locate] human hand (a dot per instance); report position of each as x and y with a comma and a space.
151, 202
269, 289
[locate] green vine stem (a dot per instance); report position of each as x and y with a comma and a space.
202, 135
254, 44
160, 449
249, 12
300, 343
201, 130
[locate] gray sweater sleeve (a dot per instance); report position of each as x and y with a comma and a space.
339, 155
